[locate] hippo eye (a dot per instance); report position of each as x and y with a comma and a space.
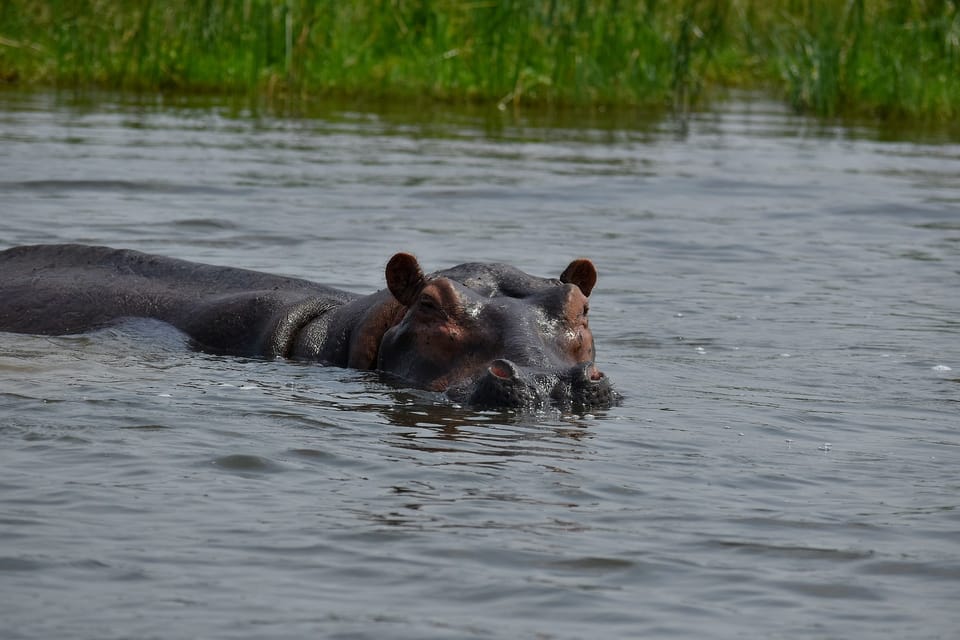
430, 305
586, 310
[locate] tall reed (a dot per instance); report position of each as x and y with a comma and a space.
882, 57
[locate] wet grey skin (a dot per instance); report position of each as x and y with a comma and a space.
487, 335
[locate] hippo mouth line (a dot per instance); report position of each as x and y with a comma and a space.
505, 385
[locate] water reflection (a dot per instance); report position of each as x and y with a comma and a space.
606, 125
432, 424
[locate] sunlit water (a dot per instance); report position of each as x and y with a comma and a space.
778, 302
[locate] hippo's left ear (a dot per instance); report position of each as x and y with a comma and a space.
404, 278
582, 273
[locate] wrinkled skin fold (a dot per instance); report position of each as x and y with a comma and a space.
487, 335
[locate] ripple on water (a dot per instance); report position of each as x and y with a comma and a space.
248, 463
21, 563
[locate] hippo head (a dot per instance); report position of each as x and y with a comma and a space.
490, 335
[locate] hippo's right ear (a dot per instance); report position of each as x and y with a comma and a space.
582, 273
404, 278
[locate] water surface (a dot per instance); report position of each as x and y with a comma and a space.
777, 303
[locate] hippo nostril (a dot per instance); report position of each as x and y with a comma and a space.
588, 372
503, 369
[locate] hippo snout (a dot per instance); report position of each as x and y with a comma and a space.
585, 387
505, 384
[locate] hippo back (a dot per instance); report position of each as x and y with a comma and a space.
64, 289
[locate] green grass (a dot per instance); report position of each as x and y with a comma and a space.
883, 58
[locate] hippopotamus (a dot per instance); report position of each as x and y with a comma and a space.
486, 335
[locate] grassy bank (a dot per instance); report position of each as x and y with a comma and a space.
884, 58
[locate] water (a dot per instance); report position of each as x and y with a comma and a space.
777, 302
